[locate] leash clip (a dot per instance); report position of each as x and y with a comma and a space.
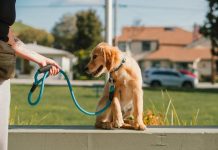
111, 92
33, 88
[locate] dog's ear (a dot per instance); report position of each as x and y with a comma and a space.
108, 57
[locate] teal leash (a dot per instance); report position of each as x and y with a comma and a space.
41, 82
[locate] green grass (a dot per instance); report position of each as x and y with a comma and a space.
57, 108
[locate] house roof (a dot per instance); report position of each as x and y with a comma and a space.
171, 36
44, 50
180, 54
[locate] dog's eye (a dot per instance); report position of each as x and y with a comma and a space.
95, 56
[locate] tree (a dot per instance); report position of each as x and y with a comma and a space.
210, 30
88, 35
89, 29
78, 34
64, 32
31, 35
82, 61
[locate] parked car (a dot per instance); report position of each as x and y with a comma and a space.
168, 77
189, 73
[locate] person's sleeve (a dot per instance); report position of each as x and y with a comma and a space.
7, 17
4, 29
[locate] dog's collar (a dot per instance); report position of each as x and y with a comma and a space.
120, 65
111, 80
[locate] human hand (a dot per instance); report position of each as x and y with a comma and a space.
47, 61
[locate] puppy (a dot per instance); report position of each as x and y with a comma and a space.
125, 74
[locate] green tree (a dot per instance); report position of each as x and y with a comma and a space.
89, 29
64, 32
31, 35
210, 30
78, 34
78, 69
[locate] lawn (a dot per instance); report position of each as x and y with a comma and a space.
57, 108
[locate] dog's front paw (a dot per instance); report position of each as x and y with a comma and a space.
140, 126
118, 123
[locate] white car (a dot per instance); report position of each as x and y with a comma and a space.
168, 77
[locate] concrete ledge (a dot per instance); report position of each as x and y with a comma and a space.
88, 138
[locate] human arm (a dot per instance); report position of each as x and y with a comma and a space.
22, 51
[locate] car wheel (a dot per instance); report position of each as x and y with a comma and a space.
187, 85
155, 84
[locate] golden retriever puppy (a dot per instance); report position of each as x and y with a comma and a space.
125, 74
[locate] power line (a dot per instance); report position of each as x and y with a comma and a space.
57, 6
159, 7
146, 7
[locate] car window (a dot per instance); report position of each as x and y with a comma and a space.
173, 74
168, 73
158, 73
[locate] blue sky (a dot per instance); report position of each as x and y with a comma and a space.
182, 13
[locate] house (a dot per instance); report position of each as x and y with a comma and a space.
204, 43
141, 41
167, 47
26, 69
196, 60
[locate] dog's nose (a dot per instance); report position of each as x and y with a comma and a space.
86, 69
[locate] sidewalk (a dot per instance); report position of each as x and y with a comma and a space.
207, 85
203, 85
59, 82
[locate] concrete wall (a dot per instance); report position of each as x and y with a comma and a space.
136, 47
87, 138
204, 68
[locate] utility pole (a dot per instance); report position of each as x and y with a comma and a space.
115, 22
108, 25
108, 21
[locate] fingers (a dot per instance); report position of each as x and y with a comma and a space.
54, 70
52, 62
55, 67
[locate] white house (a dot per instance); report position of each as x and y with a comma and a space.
26, 69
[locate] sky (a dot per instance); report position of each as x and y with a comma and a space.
44, 14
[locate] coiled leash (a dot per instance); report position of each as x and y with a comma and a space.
41, 82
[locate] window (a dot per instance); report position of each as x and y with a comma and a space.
217, 67
155, 64
182, 65
146, 45
173, 74
122, 46
168, 73
18, 64
158, 73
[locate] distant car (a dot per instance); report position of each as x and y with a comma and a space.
189, 73
168, 77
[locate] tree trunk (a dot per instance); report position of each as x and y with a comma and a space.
213, 69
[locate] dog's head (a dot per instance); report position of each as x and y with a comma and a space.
103, 59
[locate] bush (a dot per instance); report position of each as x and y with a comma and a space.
32, 35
